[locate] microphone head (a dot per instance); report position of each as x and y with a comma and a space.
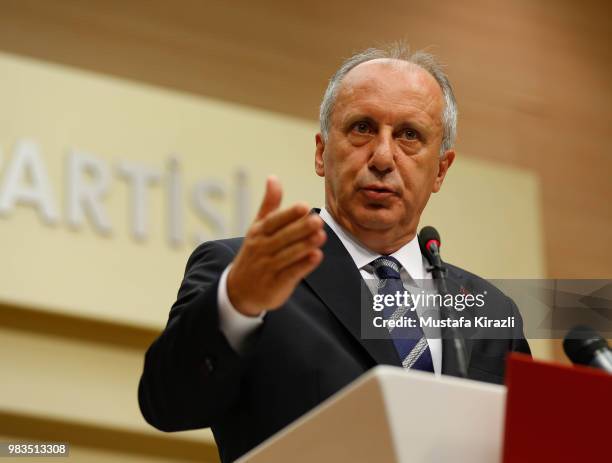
581, 343
428, 236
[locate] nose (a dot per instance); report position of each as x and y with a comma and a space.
382, 159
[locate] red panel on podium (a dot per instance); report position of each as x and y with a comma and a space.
556, 413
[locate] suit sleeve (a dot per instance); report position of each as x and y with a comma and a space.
191, 374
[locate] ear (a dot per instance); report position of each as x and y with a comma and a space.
443, 165
320, 148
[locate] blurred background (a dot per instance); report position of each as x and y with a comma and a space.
132, 130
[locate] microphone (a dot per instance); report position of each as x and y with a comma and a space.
429, 242
584, 346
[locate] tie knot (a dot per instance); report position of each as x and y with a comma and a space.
387, 267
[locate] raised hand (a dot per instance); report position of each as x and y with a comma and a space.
281, 247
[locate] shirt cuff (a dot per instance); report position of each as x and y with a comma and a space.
234, 325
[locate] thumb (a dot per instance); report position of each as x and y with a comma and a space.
272, 197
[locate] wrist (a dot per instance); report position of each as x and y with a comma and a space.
237, 300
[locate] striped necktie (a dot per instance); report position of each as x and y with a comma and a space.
410, 342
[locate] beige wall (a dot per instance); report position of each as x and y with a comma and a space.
531, 76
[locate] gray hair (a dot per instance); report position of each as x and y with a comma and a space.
395, 52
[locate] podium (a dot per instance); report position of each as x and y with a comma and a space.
390, 415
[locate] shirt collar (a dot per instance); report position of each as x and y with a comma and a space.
408, 255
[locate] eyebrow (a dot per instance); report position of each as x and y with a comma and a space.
351, 119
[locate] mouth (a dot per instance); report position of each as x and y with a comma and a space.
377, 191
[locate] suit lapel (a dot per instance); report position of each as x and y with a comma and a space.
339, 284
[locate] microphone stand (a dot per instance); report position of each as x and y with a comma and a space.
438, 271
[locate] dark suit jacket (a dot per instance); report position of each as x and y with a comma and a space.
301, 354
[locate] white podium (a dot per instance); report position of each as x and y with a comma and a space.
394, 416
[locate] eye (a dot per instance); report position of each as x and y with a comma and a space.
362, 127
409, 134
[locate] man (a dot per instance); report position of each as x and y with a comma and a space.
268, 326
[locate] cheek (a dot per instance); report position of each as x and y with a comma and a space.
344, 167
418, 177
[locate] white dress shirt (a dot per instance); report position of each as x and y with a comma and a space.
236, 326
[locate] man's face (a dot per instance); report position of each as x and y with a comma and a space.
382, 159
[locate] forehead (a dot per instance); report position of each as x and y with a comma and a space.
395, 86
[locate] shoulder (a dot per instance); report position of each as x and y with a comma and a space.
231, 245
221, 252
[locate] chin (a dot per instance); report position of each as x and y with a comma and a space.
374, 218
